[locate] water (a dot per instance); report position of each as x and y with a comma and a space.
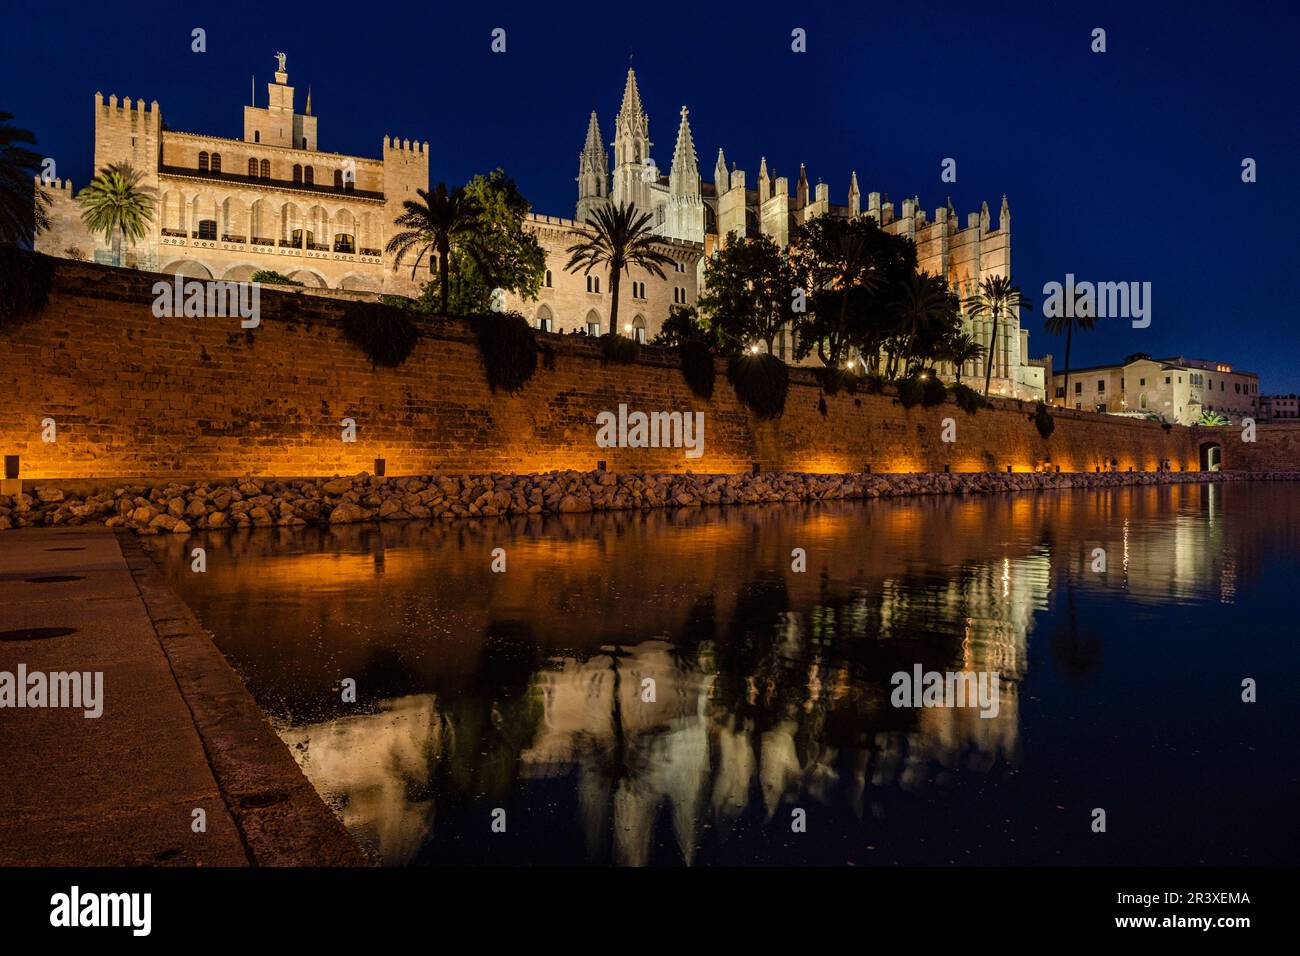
524, 691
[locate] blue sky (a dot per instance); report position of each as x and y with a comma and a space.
1122, 166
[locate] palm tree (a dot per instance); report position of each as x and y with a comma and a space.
1056, 324
923, 307
23, 207
961, 349
996, 298
116, 206
619, 237
438, 223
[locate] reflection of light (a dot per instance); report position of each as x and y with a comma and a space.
1126, 545
1006, 576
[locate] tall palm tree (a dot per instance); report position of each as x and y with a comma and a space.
620, 238
961, 349
923, 307
441, 221
1056, 324
996, 298
23, 206
117, 206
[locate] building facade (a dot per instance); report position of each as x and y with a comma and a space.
226, 208
1279, 408
1177, 390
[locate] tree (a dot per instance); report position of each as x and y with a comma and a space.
997, 298
1213, 419
682, 325
848, 267
497, 252
749, 289
618, 237
435, 225
1080, 317
116, 206
24, 208
960, 349
927, 312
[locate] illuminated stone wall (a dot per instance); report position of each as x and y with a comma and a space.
133, 395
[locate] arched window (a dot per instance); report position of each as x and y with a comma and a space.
548, 279
266, 169
203, 161
544, 319
252, 168
297, 172
216, 162
344, 242
308, 175
593, 323
338, 179
257, 136
638, 329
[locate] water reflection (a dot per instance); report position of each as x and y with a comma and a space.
663, 688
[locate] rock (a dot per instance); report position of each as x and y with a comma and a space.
48, 494
570, 504
337, 486
346, 513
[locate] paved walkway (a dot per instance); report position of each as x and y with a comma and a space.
179, 731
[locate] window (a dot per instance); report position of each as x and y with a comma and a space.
593, 323
344, 242
216, 162
297, 172
1101, 385
309, 176
257, 136
266, 169
1121, 385
544, 319
593, 284
1078, 388
1142, 383
638, 290
207, 229
1237, 386
252, 168
638, 328
679, 267
203, 161
548, 279
1167, 379
1060, 391
338, 179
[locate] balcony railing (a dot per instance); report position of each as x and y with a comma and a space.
225, 238
371, 252
176, 233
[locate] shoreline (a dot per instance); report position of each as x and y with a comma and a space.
148, 508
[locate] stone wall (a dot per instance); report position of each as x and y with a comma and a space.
133, 395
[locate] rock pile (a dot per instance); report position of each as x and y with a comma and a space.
262, 502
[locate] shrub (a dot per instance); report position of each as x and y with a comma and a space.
271, 277
381, 331
619, 348
25, 280
761, 381
933, 391
910, 392
698, 368
400, 302
1043, 420
508, 348
834, 380
969, 400
874, 383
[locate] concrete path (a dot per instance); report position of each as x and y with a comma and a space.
179, 731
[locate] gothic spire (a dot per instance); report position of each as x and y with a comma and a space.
684, 177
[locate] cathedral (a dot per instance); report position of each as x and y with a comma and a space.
687, 209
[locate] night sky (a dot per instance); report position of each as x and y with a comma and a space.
1123, 166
